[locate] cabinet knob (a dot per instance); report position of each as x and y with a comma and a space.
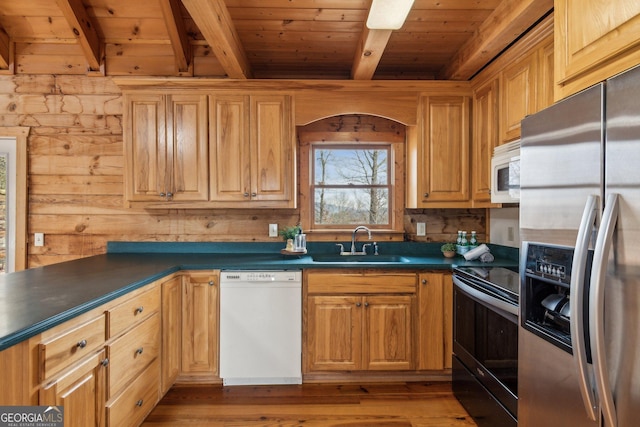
139, 309
254, 194
163, 194
82, 344
366, 304
358, 304
169, 195
104, 362
426, 195
140, 350
424, 281
139, 403
246, 194
211, 283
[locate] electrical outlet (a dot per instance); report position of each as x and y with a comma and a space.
510, 237
38, 239
421, 229
273, 230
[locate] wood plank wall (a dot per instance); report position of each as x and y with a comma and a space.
76, 178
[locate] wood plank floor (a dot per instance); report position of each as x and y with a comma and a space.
423, 404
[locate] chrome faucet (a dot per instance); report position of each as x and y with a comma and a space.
353, 240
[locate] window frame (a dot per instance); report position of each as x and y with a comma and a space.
397, 140
362, 145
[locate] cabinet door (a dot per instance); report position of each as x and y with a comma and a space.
145, 148
430, 321
200, 325
272, 148
230, 156
171, 331
444, 171
518, 96
388, 333
595, 40
81, 390
334, 333
485, 139
187, 146
545, 75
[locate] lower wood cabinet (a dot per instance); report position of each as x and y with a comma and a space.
171, 331
359, 321
131, 406
200, 320
81, 390
435, 320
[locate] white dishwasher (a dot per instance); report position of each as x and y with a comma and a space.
261, 327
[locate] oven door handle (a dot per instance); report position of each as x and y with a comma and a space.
485, 298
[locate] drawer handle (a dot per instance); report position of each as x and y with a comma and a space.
139, 310
139, 351
82, 344
105, 362
139, 403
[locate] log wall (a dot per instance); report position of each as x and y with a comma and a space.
75, 178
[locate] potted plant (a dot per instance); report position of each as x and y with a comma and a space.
448, 250
288, 234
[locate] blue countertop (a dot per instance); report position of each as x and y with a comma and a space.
34, 300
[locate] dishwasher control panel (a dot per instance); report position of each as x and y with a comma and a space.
261, 276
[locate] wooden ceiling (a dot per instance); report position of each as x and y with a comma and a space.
260, 39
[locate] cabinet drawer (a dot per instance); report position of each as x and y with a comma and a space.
133, 310
69, 347
137, 400
132, 352
361, 283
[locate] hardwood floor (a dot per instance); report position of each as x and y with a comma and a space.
421, 404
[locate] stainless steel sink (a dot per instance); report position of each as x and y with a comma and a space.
360, 258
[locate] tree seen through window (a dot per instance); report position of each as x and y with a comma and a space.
351, 184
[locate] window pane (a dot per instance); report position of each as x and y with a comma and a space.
350, 166
351, 206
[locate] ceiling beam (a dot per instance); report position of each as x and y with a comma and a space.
84, 30
5, 51
508, 21
214, 21
369, 52
177, 33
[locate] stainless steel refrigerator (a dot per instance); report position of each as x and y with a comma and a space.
580, 201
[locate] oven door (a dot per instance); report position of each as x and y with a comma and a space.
485, 356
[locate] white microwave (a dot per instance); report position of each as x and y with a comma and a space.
505, 174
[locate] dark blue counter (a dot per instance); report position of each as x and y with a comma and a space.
37, 299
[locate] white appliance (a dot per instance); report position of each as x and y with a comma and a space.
579, 365
505, 173
261, 327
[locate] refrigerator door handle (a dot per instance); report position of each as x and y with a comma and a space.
577, 307
596, 308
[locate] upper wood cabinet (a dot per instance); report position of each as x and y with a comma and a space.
595, 40
252, 151
485, 139
518, 91
442, 153
166, 146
